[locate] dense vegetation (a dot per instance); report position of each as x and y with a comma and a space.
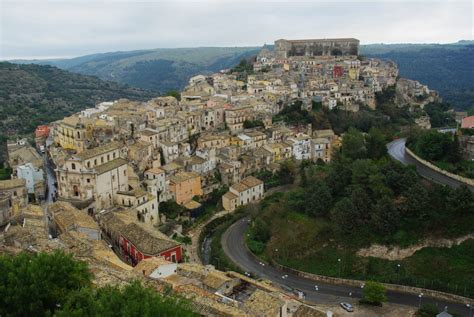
440, 115
363, 197
445, 68
442, 149
56, 284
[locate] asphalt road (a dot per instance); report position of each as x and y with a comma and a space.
396, 149
235, 249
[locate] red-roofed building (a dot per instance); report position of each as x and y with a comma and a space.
42, 131
467, 123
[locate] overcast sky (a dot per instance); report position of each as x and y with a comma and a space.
44, 29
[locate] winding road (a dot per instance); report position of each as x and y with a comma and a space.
396, 149
235, 248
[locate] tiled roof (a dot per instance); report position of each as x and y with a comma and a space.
101, 169
230, 195
155, 170
148, 241
90, 153
261, 303
251, 181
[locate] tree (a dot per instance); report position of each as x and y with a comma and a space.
319, 200
374, 293
353, 145
261, 230
376, 144
133, 300
34, 285
174, 93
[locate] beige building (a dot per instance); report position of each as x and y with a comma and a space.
184, 186
249, 190
91, 178
15, 194
144, 203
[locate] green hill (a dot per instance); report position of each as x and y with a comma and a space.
446, 68
31, 95
157, 69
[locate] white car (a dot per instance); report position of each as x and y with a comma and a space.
348, 307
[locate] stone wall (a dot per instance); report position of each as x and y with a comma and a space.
390, 287
467, 181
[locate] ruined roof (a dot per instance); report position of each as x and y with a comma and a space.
90, 153
101, 169
148, 241
215, 279
261, 303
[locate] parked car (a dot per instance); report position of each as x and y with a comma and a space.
348, 307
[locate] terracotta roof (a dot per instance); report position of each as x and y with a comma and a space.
251, 181
230, 195
239, 187
155, 170
192, 204
468, 123
148, 241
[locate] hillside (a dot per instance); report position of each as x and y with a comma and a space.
157, 69
445, 68
31, 95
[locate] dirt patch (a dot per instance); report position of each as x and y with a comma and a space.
397, 253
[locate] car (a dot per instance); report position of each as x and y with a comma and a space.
346, 306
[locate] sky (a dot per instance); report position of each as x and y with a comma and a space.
68, 28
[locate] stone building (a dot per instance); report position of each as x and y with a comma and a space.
316, 47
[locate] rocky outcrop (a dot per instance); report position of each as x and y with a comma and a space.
397, 253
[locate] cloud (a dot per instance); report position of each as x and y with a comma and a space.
72, 27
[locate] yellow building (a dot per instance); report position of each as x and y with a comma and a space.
71, 133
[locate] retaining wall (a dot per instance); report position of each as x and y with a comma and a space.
391, 287
465, 180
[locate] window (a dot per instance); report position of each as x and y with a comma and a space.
113, 155
95, 162
108, 157
102, 159
88, 164
124, 172
88, 180
73, 166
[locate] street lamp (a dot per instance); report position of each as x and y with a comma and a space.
339, 261
398, 273
420, 297
471, 307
